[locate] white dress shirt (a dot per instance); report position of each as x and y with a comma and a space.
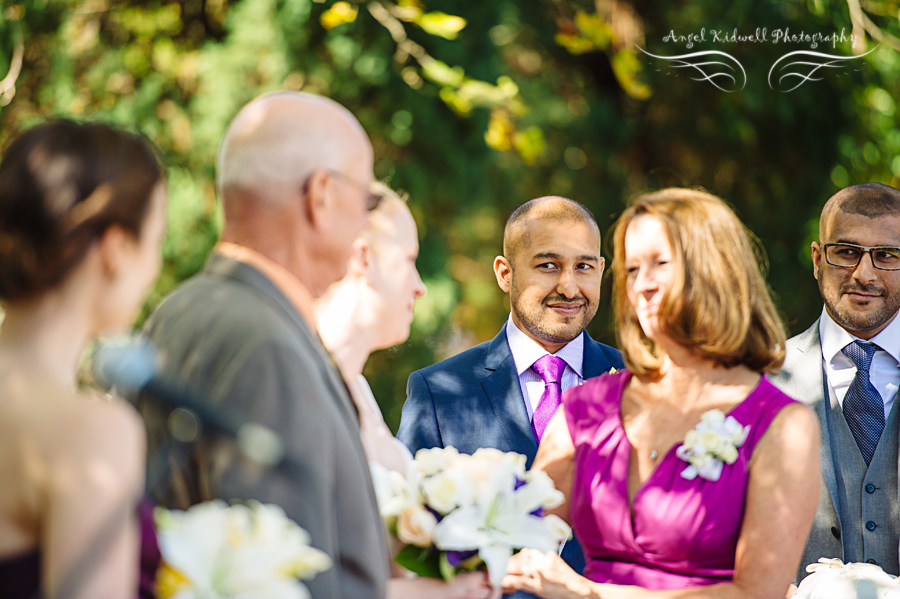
526, 351
884, 371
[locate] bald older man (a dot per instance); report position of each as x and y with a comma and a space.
503, 392
293, 174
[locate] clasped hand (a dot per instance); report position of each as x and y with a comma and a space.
543, 574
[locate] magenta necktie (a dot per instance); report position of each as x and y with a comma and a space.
550, 369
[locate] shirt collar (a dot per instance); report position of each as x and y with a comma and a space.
284, 280
526, 350
834, 338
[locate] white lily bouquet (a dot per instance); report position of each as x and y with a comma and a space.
833, 579
217, 551
459, 512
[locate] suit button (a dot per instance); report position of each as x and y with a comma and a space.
870, 488
870, 525
870, 561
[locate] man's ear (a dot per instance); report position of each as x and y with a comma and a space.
601, 265
816, 258
112, 246
316, 199
503, 272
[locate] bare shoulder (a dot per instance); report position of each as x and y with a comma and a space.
107, 430
793, 432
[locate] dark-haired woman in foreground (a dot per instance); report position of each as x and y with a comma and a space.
82, 216
698, 331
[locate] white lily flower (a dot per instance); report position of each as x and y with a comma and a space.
497, 523
538, 491
250, 550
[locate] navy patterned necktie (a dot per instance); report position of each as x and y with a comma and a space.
863, 406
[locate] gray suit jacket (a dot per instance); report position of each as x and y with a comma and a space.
803, 378
231, 334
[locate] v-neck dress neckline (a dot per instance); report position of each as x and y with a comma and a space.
670, 453
678, 533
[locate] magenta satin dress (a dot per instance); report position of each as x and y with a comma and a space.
684, 532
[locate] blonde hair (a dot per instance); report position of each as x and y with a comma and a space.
718, 304
381, 220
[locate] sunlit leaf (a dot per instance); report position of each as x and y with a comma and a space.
441, 72
499, 132
441, 24
529, 144
595, 29
627, 69
339, 14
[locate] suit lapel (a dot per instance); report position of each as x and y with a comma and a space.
504, 393
810, 386
595, 362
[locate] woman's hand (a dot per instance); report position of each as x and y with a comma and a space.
469, 585
545, 575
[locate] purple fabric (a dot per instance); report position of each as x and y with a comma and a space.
679, 533
150, 555
550, 368
20, 576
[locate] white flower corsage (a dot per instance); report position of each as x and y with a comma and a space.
712, 444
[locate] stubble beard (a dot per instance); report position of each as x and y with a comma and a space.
857, 321
538, 326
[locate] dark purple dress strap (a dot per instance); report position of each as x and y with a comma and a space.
20, 576
150, 555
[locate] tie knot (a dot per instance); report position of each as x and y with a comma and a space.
550, 369
860, 354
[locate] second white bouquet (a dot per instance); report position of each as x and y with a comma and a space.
458, 512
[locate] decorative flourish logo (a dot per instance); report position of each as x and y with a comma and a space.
713, 71
816, 61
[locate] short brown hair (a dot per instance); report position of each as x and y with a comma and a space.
718, 305
62, 184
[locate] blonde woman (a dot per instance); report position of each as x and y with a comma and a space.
724, 512
371, 308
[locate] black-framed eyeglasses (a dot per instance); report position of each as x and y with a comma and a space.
848, 255
372, 199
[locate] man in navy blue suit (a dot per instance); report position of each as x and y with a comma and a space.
501, 393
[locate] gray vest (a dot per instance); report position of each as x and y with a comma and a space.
866, 497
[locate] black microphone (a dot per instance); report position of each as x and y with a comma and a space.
130, 366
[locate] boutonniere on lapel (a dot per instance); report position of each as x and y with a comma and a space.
610, 371
711, 444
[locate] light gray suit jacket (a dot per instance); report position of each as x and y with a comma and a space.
232, 335
863, 495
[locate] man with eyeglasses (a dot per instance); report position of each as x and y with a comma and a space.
846, 366
293, 173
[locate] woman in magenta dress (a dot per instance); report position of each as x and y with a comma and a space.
689, 474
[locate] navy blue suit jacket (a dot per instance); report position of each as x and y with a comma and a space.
474, 400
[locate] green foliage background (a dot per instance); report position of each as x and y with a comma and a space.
552, 99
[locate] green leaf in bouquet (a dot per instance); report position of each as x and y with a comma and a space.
472, 564
448, 572
424, 561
